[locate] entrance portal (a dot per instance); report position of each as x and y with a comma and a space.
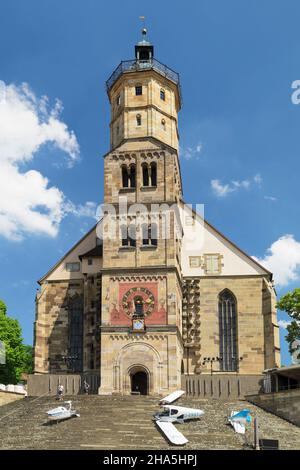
139, 382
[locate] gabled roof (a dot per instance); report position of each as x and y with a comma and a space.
220, 234
68, 252
94, 252
98, 250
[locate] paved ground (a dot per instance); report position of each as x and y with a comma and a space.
125, 423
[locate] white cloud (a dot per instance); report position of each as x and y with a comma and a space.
240, 184
26, 124
190, 153
222, 190
28, 204
283, 324
270, 198
88, 209
258, 179
283, 260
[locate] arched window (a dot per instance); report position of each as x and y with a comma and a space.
227, 331
145, 234
153, 234
149, 234
124, 235
128, 235
132, 175
138, 120
75, 311
128, 176
153, 174
139, 306
145, 174
125, 179
132, 234
162, 95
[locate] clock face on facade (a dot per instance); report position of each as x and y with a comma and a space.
138, 300
138, 324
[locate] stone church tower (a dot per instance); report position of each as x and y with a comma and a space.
153, 298
141, 337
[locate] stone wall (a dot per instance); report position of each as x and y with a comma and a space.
8, 397
221, 386
113, 176
52, 324
158, 354
255, 335
271, 328
92, 318
46, 384
285, 404
158, 117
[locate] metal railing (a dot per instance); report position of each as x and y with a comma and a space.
141, 65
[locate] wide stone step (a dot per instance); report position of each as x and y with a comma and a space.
125, 422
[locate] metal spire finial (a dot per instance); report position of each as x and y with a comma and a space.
144, 29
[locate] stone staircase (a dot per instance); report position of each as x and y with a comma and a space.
125, 422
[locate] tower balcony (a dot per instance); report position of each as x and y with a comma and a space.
136, 65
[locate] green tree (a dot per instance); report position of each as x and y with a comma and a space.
290, 303
18, 355
3, 308
28, 359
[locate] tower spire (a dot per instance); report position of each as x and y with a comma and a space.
144, 49
144, 29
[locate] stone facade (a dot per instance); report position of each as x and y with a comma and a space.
256, 334
56, 303
144, 311
158, 118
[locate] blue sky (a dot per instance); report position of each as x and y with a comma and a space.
239, 130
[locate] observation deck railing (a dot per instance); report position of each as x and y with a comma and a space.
141, 65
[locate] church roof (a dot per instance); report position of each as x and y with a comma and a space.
97, 251
253, 260
68, 252
94, 252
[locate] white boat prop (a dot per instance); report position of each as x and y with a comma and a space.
239, 419
172, 397
62, 412
174, 414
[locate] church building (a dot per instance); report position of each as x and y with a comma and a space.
153, 294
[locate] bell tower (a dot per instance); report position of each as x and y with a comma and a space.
145, 99
141, 327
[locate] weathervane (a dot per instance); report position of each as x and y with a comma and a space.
144, 29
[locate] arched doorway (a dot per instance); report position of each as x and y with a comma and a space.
139, 382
